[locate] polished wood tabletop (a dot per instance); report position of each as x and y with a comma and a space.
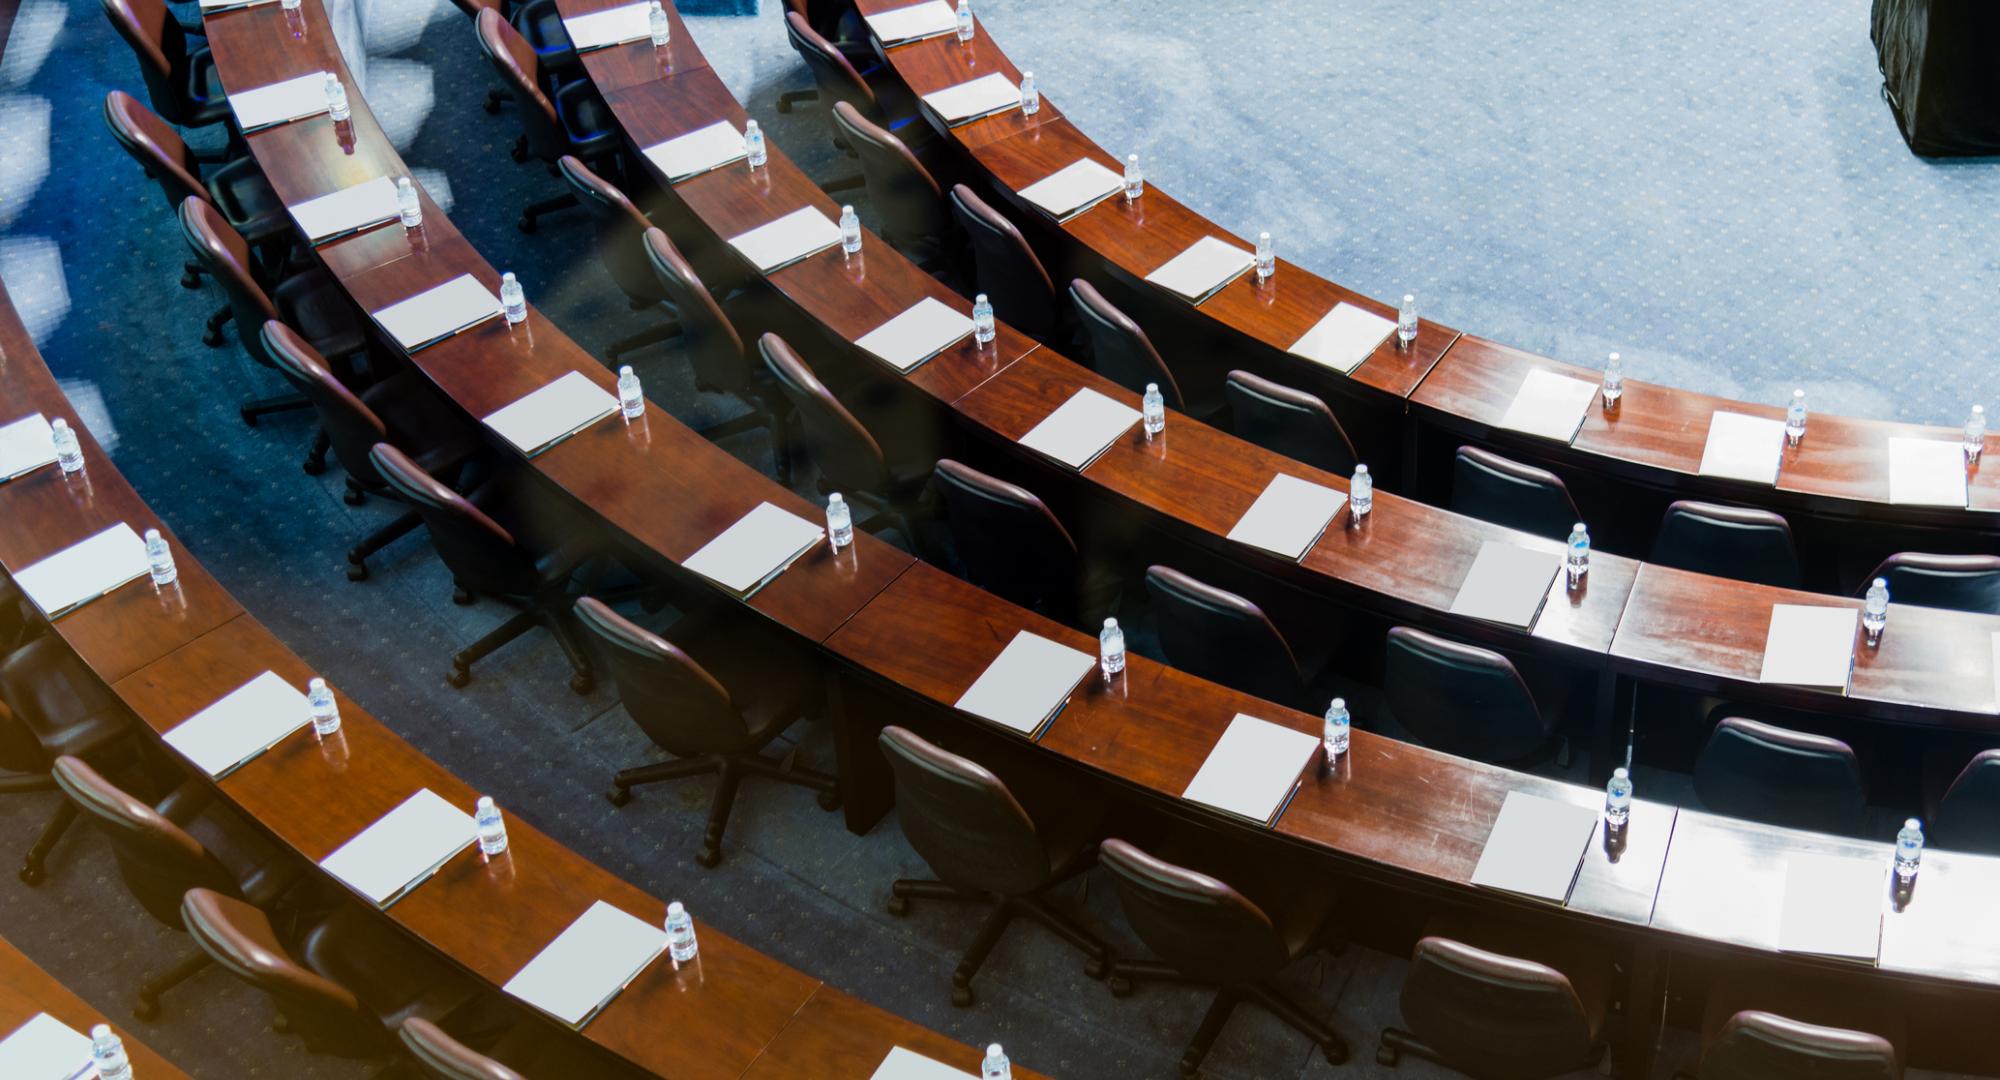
26, 990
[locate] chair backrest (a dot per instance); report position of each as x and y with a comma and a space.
1494, 1015
481, 555
901, 190
158, 859
847, 455
1219, 636
160, 45
442, 1057
621, 230
1289, 422
1009, 541
713, 346
1491, 488
1756, 1045
520, 71
1727, 541
155, 145
1968, 816
352, 428
49, 695
1959, 582
1208, 931
226, 255
836, 78
962, 819
1009, 274
674, 700
1461, 699
1119, 350
1767, 773
242, 941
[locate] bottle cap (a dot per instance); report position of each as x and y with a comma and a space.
1152, 388
1111, 624
749, 125
1911, 823
624, 370
60, 424
1264, 236
1133, 158
1027, 76
1361, 470
992, 1049
485, 803
834, 499
1620, 774
847, 210
1409, 298
508, 276
675, 908
102, 1031
1338, 703
1578, 527
316, 683
981, 299
1881, 583
152, 535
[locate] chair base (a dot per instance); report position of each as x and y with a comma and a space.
730, 770
34, 869
1330, 1044
148, 1007
1097, 965
845, 183
793, 98
315, 462
650, 336
1395, 1042
582, 679
495, 98
250, 411
212, 331
546, 206
357, 557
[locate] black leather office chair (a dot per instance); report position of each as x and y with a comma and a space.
1765, 773
1463, 699
1222, 637
1010, 544
1491, 488
904, 195
883, 102
1208, 933
1968, 816
441, 1057
1007, 271
849, 458
840, 23
180, 77
1727, 541
1119, 350
52, 705
714, 696
1289, 422
1754, 1045
536, 1054
621, 247
984, 846
715, 350
1958, 582
557, 119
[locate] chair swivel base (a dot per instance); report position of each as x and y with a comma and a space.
1395, 1042
148, 1007
730, 770
1331, 1045
1098, 961
582, 678
357, 557
252, 411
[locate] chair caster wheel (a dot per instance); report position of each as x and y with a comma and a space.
492, 105
281, 1024
582, 684
357, 571
526, 224
249, 417
709, 856
351, 497
1119, 985
1337, 1055
146, 1010
458, 677
190, 281
33, 874
618, 796
961, 996
315, 466
897, 906
1096, 969
212, 338
1190, 1067
461, 597
829, 800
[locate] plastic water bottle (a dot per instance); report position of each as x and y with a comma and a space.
1155, 407
1267, 259
408, 204
107, 1052
69, 452
1338, 723
336, 98
753, 144
657, 23
1031, 98
680, 934
1406, 320
850, 230
982, 319
995, 1066
1618, 799
1361, 492
1578, 560
839, 521
325, 711
1975, 433
160, 559
513, 298
1111, 648
492, 827
1909, 850
631, 398
1135, 178
1875, 610
965, 20
292, 5
1795, 418
1614, 380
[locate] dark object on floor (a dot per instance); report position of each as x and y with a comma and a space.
1939, 73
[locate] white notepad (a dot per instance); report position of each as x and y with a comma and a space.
756, 549
1743, 447
1252, 769
210, 7
775, 244
698, 151
439, 312
1507, 584
595, 957
1926, 472
349, 210
555, 412
1027, 683
1536, 847
1288, 517
26, 444
1343, 339
244, 723
913, 23
1549, 405
1074, 188
1810, 646
403, 849
968, 101
1203, 269
1081, 428
615, 26
904, 1064
85, 570
280, 102
1833, 906
929, 327
45, 1048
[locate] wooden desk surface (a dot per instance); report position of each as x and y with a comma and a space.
26, 990
837, 1035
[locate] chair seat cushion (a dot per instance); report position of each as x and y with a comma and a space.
421, 423
316, 306
247, 201
393, 980
206, 95
262, 870
59, 701
769, 680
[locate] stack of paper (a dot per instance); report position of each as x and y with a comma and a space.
1549, 405
776, 244
280, 103
84, 571
26, 444
1833, 906
614, 26
211, 7
1810, 646
45, 1048
1074, 188
968, 101
1507, 584
1536, 847
575, 976
244, 723
439, 312
1344, 338
1253, 769
1743, 448
403, 849
1081, 428
1203, 269
934, 18
928, 328
554, 413
1926, 472
759, 547
349, 210
1027, 684
1288, 517
698, 151
904, 1064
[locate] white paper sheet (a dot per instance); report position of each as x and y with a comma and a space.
210, 7
1081, 428
595, 957
698, 151
45, 1048
1203, 269
968, 101
929, 327
913, 23
755, 549
439, 312
555, 412
1026, 683
26, 444
1833, 906
613, 26
1810, 646
1252, 769
403, 848
1506, 584
1074, 188
775, 244
1926, 472
1549, 405
1344, 338
1536, 847
904, 1064
85, 570
349, 210
240, 725
1743, 447
280, 102
1288, 517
